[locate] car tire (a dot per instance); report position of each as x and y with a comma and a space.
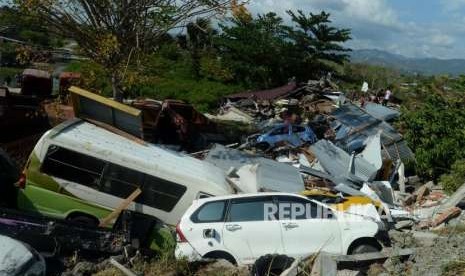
220, 255
271, 265
263, 146
9, 175
83, 220
364, 248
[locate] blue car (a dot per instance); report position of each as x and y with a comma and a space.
295, 135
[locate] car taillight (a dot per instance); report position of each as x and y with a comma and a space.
22, 180
179, 234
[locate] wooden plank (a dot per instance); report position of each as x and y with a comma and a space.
105, 101
105, 221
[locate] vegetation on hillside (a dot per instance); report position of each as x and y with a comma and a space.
205, 63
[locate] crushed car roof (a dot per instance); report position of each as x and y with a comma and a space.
177, 167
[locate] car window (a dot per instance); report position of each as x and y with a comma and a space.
120, 181
297, 208
298, 129
278, 131
160, 193
251, 209
210, 212
73, 166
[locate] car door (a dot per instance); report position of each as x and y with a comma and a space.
247, 233
307, 227
206, 235
294, 136
277, 135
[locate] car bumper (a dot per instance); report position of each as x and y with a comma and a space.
185, 251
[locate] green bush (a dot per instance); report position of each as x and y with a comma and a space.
434, 130
452, 181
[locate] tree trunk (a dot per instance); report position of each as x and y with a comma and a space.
117, 93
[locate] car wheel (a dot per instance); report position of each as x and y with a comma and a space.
364, 248
263, 146
271, 265
220, 255
84, 220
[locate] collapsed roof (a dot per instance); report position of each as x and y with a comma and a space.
353, 126
270, 94
265, 174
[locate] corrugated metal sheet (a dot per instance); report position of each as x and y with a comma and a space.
353, 126
271, 175
336, 162
381, 112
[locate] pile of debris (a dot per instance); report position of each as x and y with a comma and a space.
312, 141
257, 106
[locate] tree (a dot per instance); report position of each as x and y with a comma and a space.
316, 44
199, 40
264, 52
115, 33
255, 50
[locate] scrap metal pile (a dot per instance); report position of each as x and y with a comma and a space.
311, 142
336, 148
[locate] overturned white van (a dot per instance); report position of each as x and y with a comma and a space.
80, 171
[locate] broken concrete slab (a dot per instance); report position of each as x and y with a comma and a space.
454, 199
424, 238
446, 215
364, 260
422, 192
404, 224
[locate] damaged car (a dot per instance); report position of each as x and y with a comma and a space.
293, 134
81, 172
17, 258
242, 228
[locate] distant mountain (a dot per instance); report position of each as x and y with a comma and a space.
427, 66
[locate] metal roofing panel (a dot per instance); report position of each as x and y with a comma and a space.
354, 126
381, 112
397, 151
336, 161
271, 175
354, 117
279, 177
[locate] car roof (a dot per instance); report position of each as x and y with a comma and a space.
235, 196
81, 136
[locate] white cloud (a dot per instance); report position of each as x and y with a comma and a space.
373, 11
452, 5
375, 24
439, 39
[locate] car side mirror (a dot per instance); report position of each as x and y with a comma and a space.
209, 233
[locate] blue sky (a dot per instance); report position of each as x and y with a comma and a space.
414, 28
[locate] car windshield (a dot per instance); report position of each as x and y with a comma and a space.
269, 128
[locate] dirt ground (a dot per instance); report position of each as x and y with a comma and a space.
432, 254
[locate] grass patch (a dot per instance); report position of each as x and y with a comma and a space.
454, 268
